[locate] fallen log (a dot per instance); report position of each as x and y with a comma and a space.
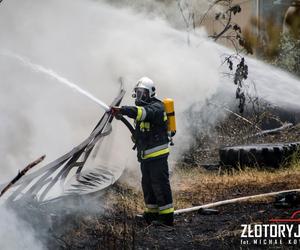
22, 173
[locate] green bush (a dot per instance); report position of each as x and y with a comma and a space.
289, 54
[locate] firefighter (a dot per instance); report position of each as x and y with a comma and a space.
151, 139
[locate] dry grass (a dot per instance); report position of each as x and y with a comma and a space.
124, 197
195, 186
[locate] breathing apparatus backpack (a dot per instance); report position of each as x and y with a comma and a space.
169, 108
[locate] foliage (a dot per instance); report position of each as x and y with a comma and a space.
289, 54
265, 44
278, 46
231, 32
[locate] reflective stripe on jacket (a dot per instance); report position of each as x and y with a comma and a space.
151, 132
155, 152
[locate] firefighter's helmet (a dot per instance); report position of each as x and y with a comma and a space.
144, 90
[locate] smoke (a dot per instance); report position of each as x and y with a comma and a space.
16, 234
171, 11
278, 87
91, 44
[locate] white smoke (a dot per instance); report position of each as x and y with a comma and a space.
265, 81
278, 87
15, 233
91, 44
171, 11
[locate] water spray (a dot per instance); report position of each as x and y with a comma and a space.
57, 77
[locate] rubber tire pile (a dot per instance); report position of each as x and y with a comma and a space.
258, 155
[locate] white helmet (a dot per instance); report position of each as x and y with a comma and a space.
147, 83
144, 90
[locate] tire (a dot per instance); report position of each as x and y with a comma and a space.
260, 155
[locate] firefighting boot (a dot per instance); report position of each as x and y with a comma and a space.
150, 217
166, 219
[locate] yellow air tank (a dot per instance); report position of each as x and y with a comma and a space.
169, 108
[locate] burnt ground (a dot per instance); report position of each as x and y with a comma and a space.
119, 228
194, 231
191, 230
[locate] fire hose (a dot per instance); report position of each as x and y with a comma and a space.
231, 201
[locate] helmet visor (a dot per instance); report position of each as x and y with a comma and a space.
142, 94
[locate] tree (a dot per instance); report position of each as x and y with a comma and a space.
229, 31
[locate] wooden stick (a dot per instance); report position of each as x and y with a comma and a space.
237, 115
22, 173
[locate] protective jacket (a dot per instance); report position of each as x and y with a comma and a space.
151, 131
151, 138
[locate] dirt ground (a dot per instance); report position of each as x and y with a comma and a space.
119, 228
222, 231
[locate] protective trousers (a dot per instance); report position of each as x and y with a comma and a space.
157, 190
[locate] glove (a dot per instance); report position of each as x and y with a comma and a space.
116, 112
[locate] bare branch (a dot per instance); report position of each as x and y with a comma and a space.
22, 173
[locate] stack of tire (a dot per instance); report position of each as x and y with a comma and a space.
258, 155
